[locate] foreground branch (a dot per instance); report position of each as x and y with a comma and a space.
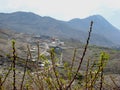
83, 55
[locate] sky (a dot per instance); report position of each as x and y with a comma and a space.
66, 9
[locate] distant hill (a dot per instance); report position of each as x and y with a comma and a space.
104, 34
101, 27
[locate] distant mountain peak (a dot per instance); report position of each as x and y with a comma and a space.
21, 12
89, 17
96, 17
75, 19
25, 13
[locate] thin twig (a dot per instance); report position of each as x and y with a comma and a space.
25, 68
87, 74
83, 55
114, 83
6, 75
14, 63
101, 76
73, 59
54, 69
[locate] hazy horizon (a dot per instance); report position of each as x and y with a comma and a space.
66, 9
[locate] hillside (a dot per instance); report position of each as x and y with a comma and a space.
104, 34
93, 54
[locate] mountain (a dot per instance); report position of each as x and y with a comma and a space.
32, 23
101, 27
104, 34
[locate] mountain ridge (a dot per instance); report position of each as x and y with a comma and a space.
29, 22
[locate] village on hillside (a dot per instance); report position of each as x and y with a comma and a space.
36, 42
45, 44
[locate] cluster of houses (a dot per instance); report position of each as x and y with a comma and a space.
45, 44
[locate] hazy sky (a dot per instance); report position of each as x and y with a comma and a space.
66, 9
